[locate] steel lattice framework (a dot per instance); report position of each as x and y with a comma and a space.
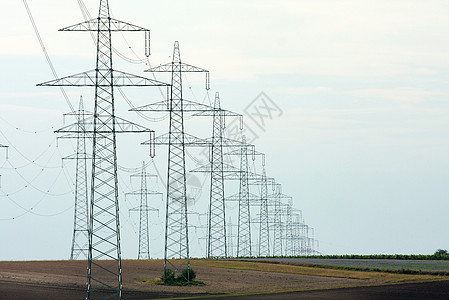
80, 239
264, 231
289, 238
176, 221
277, 232
260, 201
244, 247
216, 224
143, 209
244, 218
216, 242
104, 262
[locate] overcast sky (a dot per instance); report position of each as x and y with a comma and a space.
359, 137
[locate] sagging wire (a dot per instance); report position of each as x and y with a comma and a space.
32, 161
47, 57
142, 115
26, 131
30, 211
30, 183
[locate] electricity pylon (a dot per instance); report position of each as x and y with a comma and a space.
143, 209
260, 201
244, 215
244, 225
289, 229
80, 239
298, 234
277, 223
104, 263
216, 230
264, 227
176, 221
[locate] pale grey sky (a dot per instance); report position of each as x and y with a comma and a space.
363, 86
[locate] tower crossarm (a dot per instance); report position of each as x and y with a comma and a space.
280, 196
139, 209
97, 25
208, 168
143, 174
253, 198
164, 106
88, 78
183, 67
261, 182
236, 176
139, 192
220, 112
122, 126
189, 140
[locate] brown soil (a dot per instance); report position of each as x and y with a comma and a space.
67, 280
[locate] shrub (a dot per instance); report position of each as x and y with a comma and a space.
168, 277
187, 275
441, 252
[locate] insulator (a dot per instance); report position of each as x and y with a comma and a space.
207, 81
168, 97
147, 43
223, 119
210, 154
152, 144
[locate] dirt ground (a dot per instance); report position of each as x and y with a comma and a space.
67, 280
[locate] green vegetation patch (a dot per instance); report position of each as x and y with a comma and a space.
185, 278
367, 269
437, 256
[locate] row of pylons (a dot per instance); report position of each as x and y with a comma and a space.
282, 230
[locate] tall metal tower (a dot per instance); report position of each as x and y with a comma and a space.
277, 243
80, 239
143, 209
216, 231
104, 262
264, 233
176, 221
289, 238
244, 247
217, 246
244, 218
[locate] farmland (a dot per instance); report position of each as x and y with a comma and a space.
383, 264
224, 278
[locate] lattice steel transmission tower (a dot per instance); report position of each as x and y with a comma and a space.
244, 215
104, 262
264, 223
80, 238
143, 209
216, 231
176, 222
244, 219
277, 223
289, 237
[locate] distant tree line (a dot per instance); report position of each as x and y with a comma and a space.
440, 254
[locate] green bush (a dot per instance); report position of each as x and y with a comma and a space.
168, 277
187, 275
441, 252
